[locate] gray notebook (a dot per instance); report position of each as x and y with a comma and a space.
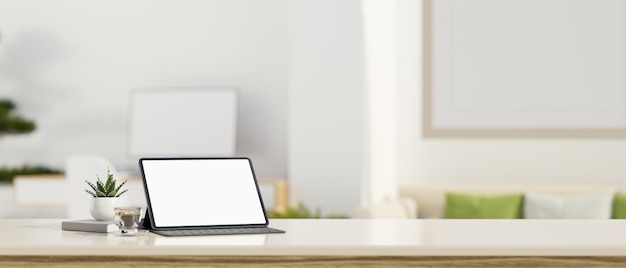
203, 196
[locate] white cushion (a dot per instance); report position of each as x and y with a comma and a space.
544, 206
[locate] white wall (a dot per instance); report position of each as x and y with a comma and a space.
301, 70
567, 161
299, 65
326, 104
69, 65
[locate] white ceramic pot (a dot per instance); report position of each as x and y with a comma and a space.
102, 207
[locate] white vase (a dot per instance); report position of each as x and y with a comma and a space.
102, 207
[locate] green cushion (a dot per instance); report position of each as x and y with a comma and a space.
619, 206
466, 206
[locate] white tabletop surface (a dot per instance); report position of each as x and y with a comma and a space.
338, 237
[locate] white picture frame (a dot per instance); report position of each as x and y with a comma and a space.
524, 68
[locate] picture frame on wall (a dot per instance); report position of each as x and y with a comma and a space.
517, 68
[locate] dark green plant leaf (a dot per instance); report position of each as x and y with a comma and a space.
109, 188
12, 124
7, 174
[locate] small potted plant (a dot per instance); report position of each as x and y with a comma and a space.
106, 196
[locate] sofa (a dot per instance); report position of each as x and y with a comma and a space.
536, 201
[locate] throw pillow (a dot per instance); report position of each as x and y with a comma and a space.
467, 206
619, 206
544, 206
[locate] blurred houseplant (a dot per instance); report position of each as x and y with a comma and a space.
302, 212
12, 124
7, 174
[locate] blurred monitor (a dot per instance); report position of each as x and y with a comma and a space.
178, 122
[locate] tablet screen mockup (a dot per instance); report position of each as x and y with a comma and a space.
202, 192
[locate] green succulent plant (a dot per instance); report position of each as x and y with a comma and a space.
110, 188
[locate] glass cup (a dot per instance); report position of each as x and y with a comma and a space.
127, 219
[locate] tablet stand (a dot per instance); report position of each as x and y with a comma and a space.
147, 223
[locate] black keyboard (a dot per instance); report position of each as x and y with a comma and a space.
218, 231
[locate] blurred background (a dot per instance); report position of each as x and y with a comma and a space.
330, 93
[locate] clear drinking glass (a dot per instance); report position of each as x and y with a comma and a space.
127, 219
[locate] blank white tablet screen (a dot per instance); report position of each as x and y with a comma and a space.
202, 192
